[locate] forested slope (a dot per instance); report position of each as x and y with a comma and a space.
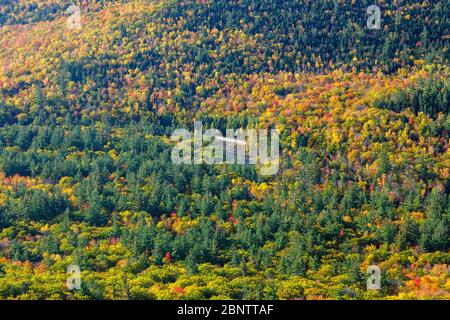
86, 176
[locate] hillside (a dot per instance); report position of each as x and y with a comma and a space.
86, 176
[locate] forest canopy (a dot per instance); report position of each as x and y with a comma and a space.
86, 176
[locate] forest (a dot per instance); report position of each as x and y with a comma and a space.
86, 176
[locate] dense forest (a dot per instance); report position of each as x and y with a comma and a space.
86, 176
